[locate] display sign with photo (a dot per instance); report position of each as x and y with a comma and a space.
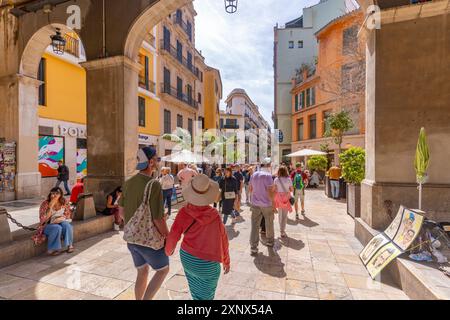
7, 166
81, 163
394, 241
51, 151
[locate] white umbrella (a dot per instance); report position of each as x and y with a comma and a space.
184, 156
306, 153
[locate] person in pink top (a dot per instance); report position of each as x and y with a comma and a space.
283, 189
185, 175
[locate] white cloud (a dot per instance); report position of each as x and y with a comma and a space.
241, 45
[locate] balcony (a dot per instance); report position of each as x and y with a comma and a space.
171, 50
183, 25
72, 45
173, 92
147, 84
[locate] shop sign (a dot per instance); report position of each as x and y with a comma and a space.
75, 132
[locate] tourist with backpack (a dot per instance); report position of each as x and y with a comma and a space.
300, 182
145, 230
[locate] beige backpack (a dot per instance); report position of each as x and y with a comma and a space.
140, 229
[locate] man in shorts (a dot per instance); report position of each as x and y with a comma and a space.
300, 182
143, 257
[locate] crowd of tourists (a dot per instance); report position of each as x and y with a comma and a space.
212, 195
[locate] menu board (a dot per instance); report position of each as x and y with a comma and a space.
7, 166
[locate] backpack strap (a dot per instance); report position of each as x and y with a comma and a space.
190, 226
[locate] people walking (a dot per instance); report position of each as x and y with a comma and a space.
167, 183
261, 187
142, 196
283, 189
63, 177
240, 181
185, 175
247, 177
55, 219
300, 182
217, 177
229, 191
205, 242
335, 174
112, 207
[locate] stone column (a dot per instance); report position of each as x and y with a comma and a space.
112, 123
19, 123
408, 87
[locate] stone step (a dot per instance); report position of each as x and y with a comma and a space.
420, 281
23, 248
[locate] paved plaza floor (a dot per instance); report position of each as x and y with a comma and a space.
319, 260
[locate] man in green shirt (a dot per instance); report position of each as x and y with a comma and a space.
133, 193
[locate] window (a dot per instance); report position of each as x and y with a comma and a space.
350, 40
291, 44
190, 126
166, 80
300, 44
326, 115
166, 39
308, 97
41, 77
189, 30
312, 127
179, 15
296, 102
141, 112
313, 96
300, 128
167, 124
179, 51
189, 93
189, 61
302, 100
179, 121
199, 98
179, 88
81, 143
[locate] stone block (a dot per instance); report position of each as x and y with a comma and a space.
85, 207
5, 232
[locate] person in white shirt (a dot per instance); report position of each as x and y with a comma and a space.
167, 184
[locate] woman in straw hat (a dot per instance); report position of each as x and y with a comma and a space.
205, 241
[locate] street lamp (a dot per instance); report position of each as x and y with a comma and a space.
58, 42
231, 6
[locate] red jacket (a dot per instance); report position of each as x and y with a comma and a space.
206, 238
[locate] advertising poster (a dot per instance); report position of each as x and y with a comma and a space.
81, 163
51, 150
394, 241
409, 229
382, 258
374, 245
7, 166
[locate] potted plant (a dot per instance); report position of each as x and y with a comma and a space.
319, 164
353, 163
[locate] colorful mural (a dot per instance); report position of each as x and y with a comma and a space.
81, 163
51, 150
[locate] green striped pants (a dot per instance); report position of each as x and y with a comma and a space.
202, 276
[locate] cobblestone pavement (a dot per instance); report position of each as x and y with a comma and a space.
319, 260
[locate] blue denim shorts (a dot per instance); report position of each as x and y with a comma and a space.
142, 256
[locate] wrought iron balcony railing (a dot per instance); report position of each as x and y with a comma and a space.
165, 46
147, 84
72, 45
183, 25
174, 92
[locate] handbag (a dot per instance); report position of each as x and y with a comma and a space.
291, 198
228, 195
141, 229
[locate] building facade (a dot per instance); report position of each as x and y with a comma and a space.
239, 103
295, 44
335, 83
176, 89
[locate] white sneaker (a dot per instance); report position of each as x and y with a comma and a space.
116, 227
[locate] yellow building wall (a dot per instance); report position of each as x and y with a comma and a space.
152, 125
210, 100
65, 91
151, 67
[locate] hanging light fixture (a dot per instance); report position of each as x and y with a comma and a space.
58, 42
231, 6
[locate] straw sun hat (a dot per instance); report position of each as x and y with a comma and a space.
202, 191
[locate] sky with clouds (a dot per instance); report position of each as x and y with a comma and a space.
240, 45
